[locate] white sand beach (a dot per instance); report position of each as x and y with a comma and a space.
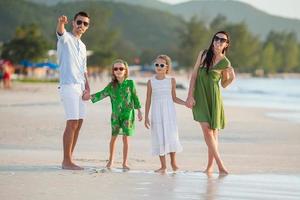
261, 152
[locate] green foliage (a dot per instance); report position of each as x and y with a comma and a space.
193, 37
131, 31
244, 47
28, 44
279, 53
298, 56
285, 54
148, 56
218, 23
268, 58
101, 58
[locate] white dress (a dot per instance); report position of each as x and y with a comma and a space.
164, 129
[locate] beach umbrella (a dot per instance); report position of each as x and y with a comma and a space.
26, 63
47, 64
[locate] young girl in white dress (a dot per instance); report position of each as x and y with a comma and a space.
161, 93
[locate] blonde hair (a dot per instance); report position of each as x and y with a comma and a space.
114, 80
168, 61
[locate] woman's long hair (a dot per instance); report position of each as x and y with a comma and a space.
208, 60
114, 80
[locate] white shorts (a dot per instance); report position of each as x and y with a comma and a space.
71, 97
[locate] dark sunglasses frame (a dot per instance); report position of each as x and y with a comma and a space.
160, 65
119, 68
79, 22
222, 40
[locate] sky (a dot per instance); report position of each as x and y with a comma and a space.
284, 8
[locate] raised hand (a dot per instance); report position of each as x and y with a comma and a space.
63, 19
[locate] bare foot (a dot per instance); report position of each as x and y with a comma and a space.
108, 165
161, 170
175, 168
208, 171
70, 166
125, 167
223, 172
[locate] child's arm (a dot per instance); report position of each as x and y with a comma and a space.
101, 95
136, 101
140, 115
148, 103
175, 98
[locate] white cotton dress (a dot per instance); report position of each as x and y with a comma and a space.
164, 130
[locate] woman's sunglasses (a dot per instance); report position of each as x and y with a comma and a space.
118, 68
222, 40
79, 22
160, 65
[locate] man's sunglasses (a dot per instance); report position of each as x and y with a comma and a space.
118, 68
79, 22
160, 65
222, 40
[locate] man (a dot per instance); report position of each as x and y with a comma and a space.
74, 86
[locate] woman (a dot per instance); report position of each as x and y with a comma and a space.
204, 95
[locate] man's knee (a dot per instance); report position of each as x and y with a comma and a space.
72, 124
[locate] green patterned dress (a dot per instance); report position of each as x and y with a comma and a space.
123, 100
207, 94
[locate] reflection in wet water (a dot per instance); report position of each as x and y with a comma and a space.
197, 185
143, 184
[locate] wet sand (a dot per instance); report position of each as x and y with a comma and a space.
262, 153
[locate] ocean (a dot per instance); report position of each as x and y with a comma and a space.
281, 94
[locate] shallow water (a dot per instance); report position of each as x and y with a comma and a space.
139, 184
278, 93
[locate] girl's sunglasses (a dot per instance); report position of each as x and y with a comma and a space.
222, 40
79, 22
118, 68
160, 65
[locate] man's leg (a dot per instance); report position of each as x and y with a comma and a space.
80, 121
75, 110
68, 138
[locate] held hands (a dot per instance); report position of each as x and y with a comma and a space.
86, 95
190, 102
63, 19
147, 123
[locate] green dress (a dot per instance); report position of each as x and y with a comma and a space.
207, 94
123, 100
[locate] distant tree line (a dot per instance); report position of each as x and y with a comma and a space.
279, 52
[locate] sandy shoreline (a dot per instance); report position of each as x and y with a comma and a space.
253, 145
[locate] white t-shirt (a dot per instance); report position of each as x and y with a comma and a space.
71, 53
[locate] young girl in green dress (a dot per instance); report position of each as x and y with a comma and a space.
205, 97
124, 100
